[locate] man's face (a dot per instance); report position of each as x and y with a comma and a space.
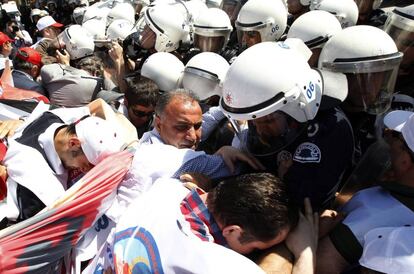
139, 115
270, 126
180, 124
248, 247
7, 48
294, 6
398, 152
76, 159
51, 32
147, 38
249, 38
365, 9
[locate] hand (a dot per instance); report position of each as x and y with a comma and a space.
19, 34
284, 162
8, 127
198, 179
63, 58
305, 235
3, 174
116, 53
328, 220
232, 155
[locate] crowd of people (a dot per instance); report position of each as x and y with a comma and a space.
267, 135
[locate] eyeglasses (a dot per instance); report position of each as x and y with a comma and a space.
140, 113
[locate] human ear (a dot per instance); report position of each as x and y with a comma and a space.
74, 143
232, 231
158, 123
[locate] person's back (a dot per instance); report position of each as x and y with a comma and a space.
182, 234
68, 86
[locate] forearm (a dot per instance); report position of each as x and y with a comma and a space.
120, 71
305, 263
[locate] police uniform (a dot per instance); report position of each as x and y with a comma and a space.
320, 154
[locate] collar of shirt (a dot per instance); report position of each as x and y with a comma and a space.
151, 137
202, 223
24, 73
122, 108
46, 140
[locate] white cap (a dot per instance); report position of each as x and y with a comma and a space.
47, 21
389, 250
99, 138
402, 121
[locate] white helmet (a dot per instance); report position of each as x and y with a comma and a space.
213, 3
268, 18
96, 27
38, 12
314, 28
169, 24
122, 11
345, 10
269, 77
119, 29
204, 74
400, 26
370, 59
79, 43
78, 14
164, 69
34, 12
212, 30
193, 8
94, 12
83, 3
271, 80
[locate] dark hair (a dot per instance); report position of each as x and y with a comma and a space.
142, 91
71, 128
91, 64
167, 97
106, 59
258, 203
23, 65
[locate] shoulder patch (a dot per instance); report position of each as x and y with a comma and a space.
307, 153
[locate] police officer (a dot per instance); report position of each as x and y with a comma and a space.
293, 131
371, 68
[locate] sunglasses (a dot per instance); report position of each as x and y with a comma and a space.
140, 113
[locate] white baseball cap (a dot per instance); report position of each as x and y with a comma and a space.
402, 121
389, 250
99, 138
47, 21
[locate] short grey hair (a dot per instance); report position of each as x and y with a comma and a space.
181, 94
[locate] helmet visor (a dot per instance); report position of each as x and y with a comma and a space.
203, 83
402, 32
248, 38
269, 134
370, 92
209, 43
147, 38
